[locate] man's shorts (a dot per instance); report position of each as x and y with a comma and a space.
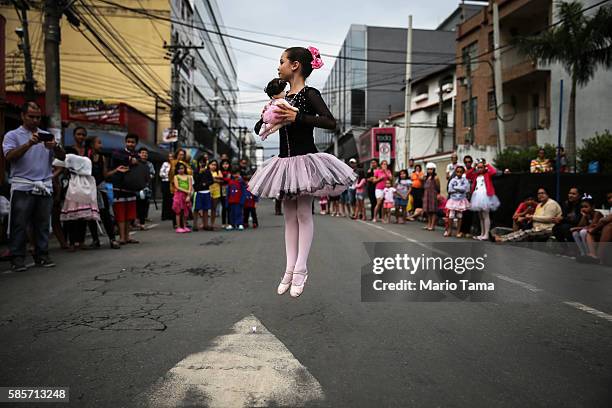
352, 196
125, 211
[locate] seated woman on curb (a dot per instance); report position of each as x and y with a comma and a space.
542, 220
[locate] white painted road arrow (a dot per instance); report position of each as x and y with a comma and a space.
247, 367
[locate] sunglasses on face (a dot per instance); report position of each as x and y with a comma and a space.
34, 117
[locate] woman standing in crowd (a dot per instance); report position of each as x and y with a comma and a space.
371, 186
402, 187
380, 178
75, 227
300, 171
457, 204
164, 175
484, 199
430, 196
99, 170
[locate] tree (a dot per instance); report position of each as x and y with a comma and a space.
580, 43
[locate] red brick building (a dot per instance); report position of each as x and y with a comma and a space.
526, 86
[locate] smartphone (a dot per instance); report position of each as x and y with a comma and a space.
45, 136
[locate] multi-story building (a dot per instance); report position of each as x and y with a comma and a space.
146, 64
530, 106
366, 82
431, 114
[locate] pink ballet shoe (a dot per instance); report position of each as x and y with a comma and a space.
285, 283
297, 283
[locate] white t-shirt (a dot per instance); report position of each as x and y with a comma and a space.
388, 194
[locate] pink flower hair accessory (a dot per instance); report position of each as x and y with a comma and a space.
317, 62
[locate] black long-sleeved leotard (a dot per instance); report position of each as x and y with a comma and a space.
297, 138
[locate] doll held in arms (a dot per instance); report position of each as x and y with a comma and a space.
270, 115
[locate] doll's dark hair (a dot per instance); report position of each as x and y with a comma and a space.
303, 56
275, 87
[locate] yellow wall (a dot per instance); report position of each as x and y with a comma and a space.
84, 71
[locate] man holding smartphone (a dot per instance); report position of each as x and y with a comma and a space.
30, 160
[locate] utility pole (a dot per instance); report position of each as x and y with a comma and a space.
407, 95
179, 53
51, 27
441, 117
499, 95
24, 35
215, 126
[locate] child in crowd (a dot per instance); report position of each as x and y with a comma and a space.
458, 187
323, 205
183, 189
589, 220
272, 120
389, 201
360, 195
484, 199
202, 202
250, 208
236, 195
431, 190
520, 221
402, 187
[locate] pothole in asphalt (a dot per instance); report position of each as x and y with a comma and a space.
210, 271
216, 241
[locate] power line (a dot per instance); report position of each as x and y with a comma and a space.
252, 41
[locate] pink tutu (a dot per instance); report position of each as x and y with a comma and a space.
457, 205
316, 174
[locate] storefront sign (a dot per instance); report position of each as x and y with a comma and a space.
93, 110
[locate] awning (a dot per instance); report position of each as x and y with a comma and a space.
115, 140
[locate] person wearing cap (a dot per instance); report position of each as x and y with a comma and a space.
430, 195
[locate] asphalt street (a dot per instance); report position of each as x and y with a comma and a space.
194, 320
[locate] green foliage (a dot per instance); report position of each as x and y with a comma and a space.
518, 159
597, 148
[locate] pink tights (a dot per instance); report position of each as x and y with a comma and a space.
299, 230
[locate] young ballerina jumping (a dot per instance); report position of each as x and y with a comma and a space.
300, 172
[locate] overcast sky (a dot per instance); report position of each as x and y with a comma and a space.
323, 24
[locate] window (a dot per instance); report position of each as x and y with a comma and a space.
474, 111
470, 54
491, 101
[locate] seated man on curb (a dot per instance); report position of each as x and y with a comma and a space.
30, 152
542, 220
